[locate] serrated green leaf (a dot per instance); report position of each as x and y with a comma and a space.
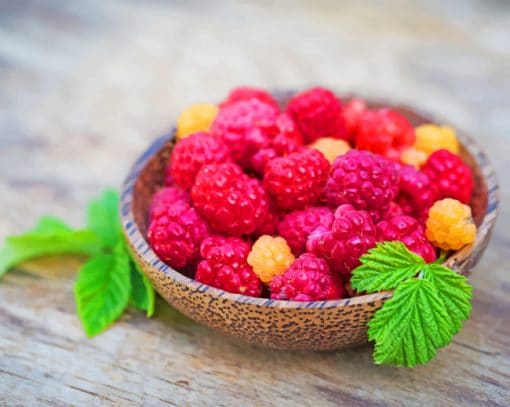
142, 293
385, 266
453, 290
410, 326
102, 289
50, 236
103, 217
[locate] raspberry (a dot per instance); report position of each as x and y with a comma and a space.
297, 226
417, 193
331, 148
244, 127
228, 199
414, 157
450, 225
393, 210
364, 180
195, 118
286, 140
408, 231
269, 257
353, 111
452, 178
288, 129
307, 279
247, 92
385, 132
349, 237
297, 180
191, 154
176, 232
225, 267
269, 225
165, 197
318, 113
430, 138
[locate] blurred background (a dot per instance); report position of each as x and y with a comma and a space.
86, 85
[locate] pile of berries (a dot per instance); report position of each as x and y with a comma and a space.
282, 201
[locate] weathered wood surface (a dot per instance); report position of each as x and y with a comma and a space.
86, 85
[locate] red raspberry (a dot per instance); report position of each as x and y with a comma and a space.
410, 232
417, 193
244, 127
225, 266
247, 92
270, 223
260, 159
287, 140
191, 154
176, 232
350, 236
451, 176
393, 210
297, 226
229, 200
364, 180
289, 131
297, 180
307, 279
318, 113
353, 111
165, 197
385, 132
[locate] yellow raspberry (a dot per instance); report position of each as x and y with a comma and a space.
270, 257
414, 157
450, 225
430, 138
197, 117
331, 148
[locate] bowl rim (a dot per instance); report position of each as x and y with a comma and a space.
140, 245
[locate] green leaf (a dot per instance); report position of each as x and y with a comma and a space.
102, 289
142, 293
453, 290
49, 224
385, 266
50, 236
103, 217
410, 326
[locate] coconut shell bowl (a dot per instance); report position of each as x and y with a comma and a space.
286, 325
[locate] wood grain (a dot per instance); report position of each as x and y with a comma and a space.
84, 88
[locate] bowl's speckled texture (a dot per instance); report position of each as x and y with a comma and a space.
318, 325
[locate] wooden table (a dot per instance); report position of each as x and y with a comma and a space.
85, 87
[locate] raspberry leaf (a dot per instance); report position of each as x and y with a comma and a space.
453, 290
385, 266
103, 217
50, 236
142, 294
410, 326
49, 224
102, 289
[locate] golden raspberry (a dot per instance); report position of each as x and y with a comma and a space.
450, 225
330, 147
430, 138
270, 257
195, 118
414, 157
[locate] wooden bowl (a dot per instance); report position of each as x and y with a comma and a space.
290, 325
